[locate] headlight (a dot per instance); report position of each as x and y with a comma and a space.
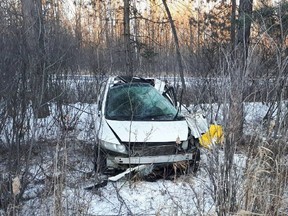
121, 148
114, 147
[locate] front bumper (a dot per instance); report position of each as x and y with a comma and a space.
154, 159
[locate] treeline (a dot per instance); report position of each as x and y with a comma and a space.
88, 36
44, 41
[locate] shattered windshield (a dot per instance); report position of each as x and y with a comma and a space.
139, 101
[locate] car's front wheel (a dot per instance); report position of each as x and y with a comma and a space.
100, 160
194, 164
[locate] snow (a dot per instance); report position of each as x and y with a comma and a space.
136, 198
187, 195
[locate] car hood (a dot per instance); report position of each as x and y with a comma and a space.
149, 131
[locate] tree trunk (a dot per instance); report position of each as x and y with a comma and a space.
176, 41
233, 24
78, 21
35, 53
244, 26
191, 34
237, 71
128, 54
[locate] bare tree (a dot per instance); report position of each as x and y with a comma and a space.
35, 50
233, 24
127, 43
176, 41
239, 70
244, 26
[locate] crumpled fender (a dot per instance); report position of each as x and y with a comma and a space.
197, 123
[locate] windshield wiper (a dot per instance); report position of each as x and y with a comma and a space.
178, 117
159, 117
118, 117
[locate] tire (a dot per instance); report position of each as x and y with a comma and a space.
100, 160
194, 164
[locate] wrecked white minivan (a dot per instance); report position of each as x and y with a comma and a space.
140, 123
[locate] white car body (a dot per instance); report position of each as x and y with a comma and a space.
125, 141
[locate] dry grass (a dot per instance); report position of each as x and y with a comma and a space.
266, 179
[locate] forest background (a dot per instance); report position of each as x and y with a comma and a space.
235, 50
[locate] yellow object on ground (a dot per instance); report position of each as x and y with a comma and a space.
213, 136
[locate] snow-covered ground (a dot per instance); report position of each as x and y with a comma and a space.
63, 165
187, 195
